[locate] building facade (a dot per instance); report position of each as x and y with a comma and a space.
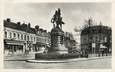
42, 39
96, 40
22, 38
69, 42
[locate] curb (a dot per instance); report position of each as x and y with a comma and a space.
64, 61
38, 61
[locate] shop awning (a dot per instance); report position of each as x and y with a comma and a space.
39, 43
15, 43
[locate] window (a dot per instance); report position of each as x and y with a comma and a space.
14, 35
28, 38
34, 38
31, 38
21, 36
5, 34
24, 37
96, 39
91, 37
18, 36
105, 39
38, 32
10, 35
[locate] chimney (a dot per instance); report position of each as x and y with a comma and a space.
24, 25
29, 25
45, 31
41, 30
8, 20
18, 23
37, 27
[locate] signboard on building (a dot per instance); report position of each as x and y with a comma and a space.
101, 46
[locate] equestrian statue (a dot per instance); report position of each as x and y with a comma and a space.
57, 19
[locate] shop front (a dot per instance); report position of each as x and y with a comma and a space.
13, 47
41, 46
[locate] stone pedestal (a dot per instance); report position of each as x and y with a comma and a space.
57, 45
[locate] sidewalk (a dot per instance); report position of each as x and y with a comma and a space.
31, 56
19, 57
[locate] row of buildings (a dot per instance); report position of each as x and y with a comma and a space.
22, 38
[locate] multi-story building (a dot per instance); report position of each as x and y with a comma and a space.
69, 42
96, 40
19, 38
42, 38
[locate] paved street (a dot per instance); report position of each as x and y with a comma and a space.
103, 63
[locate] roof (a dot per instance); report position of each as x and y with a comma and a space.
96, 30
22, 27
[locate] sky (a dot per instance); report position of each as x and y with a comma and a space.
73, 14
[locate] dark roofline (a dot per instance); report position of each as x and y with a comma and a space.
96, 29
22, 27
